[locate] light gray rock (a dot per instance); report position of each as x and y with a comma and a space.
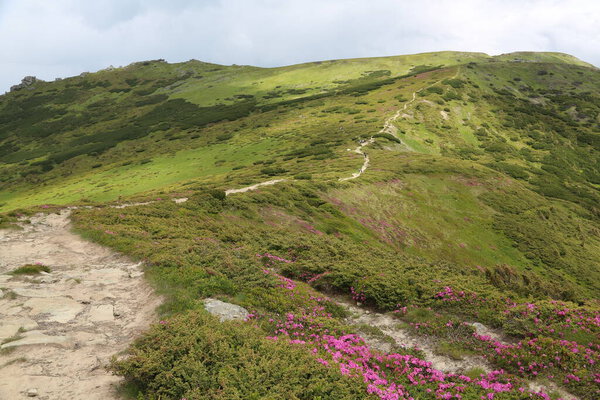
32, 392
37, 337
479, 328
225, 311
102, 313
483, 330
9, 326
41, 293
25, 82
57, 309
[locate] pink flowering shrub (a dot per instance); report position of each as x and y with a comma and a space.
569, 364
553, 319
269, 256
357, 295
386, 375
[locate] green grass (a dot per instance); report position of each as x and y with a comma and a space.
30, 269
475, 373
440, 201
109, 183
453, 350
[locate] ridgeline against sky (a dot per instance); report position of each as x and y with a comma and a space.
66, 37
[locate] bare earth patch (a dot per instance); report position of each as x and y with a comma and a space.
59, 329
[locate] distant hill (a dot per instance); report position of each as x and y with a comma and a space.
55, 133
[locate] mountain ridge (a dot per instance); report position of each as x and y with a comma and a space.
557, 57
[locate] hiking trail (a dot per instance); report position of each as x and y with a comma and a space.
388, 127
59, 329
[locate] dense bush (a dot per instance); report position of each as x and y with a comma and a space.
435, 89
193, 356
387, 136
455, 83
273, 171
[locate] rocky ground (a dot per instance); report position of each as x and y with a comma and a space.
59, 329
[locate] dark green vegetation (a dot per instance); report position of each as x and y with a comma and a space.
229, 361
488, 185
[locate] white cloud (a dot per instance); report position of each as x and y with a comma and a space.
65, 37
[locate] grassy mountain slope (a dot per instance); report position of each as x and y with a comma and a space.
480, 203
66, 135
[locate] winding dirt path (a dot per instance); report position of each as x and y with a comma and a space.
253, 187
365, 165
61, 328
58, 330
388, 127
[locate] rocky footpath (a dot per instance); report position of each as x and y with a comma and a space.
59, 329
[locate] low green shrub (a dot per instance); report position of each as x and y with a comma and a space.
30, 269
193, 356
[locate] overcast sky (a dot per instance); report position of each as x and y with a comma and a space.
59, 38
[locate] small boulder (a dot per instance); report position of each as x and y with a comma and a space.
225, 311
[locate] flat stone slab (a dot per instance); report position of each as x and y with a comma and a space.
59, 309
102, 313
9, 326
225, 311
106, 276
8, 308
41, 293
38, 338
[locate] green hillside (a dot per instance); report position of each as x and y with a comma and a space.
480, 202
